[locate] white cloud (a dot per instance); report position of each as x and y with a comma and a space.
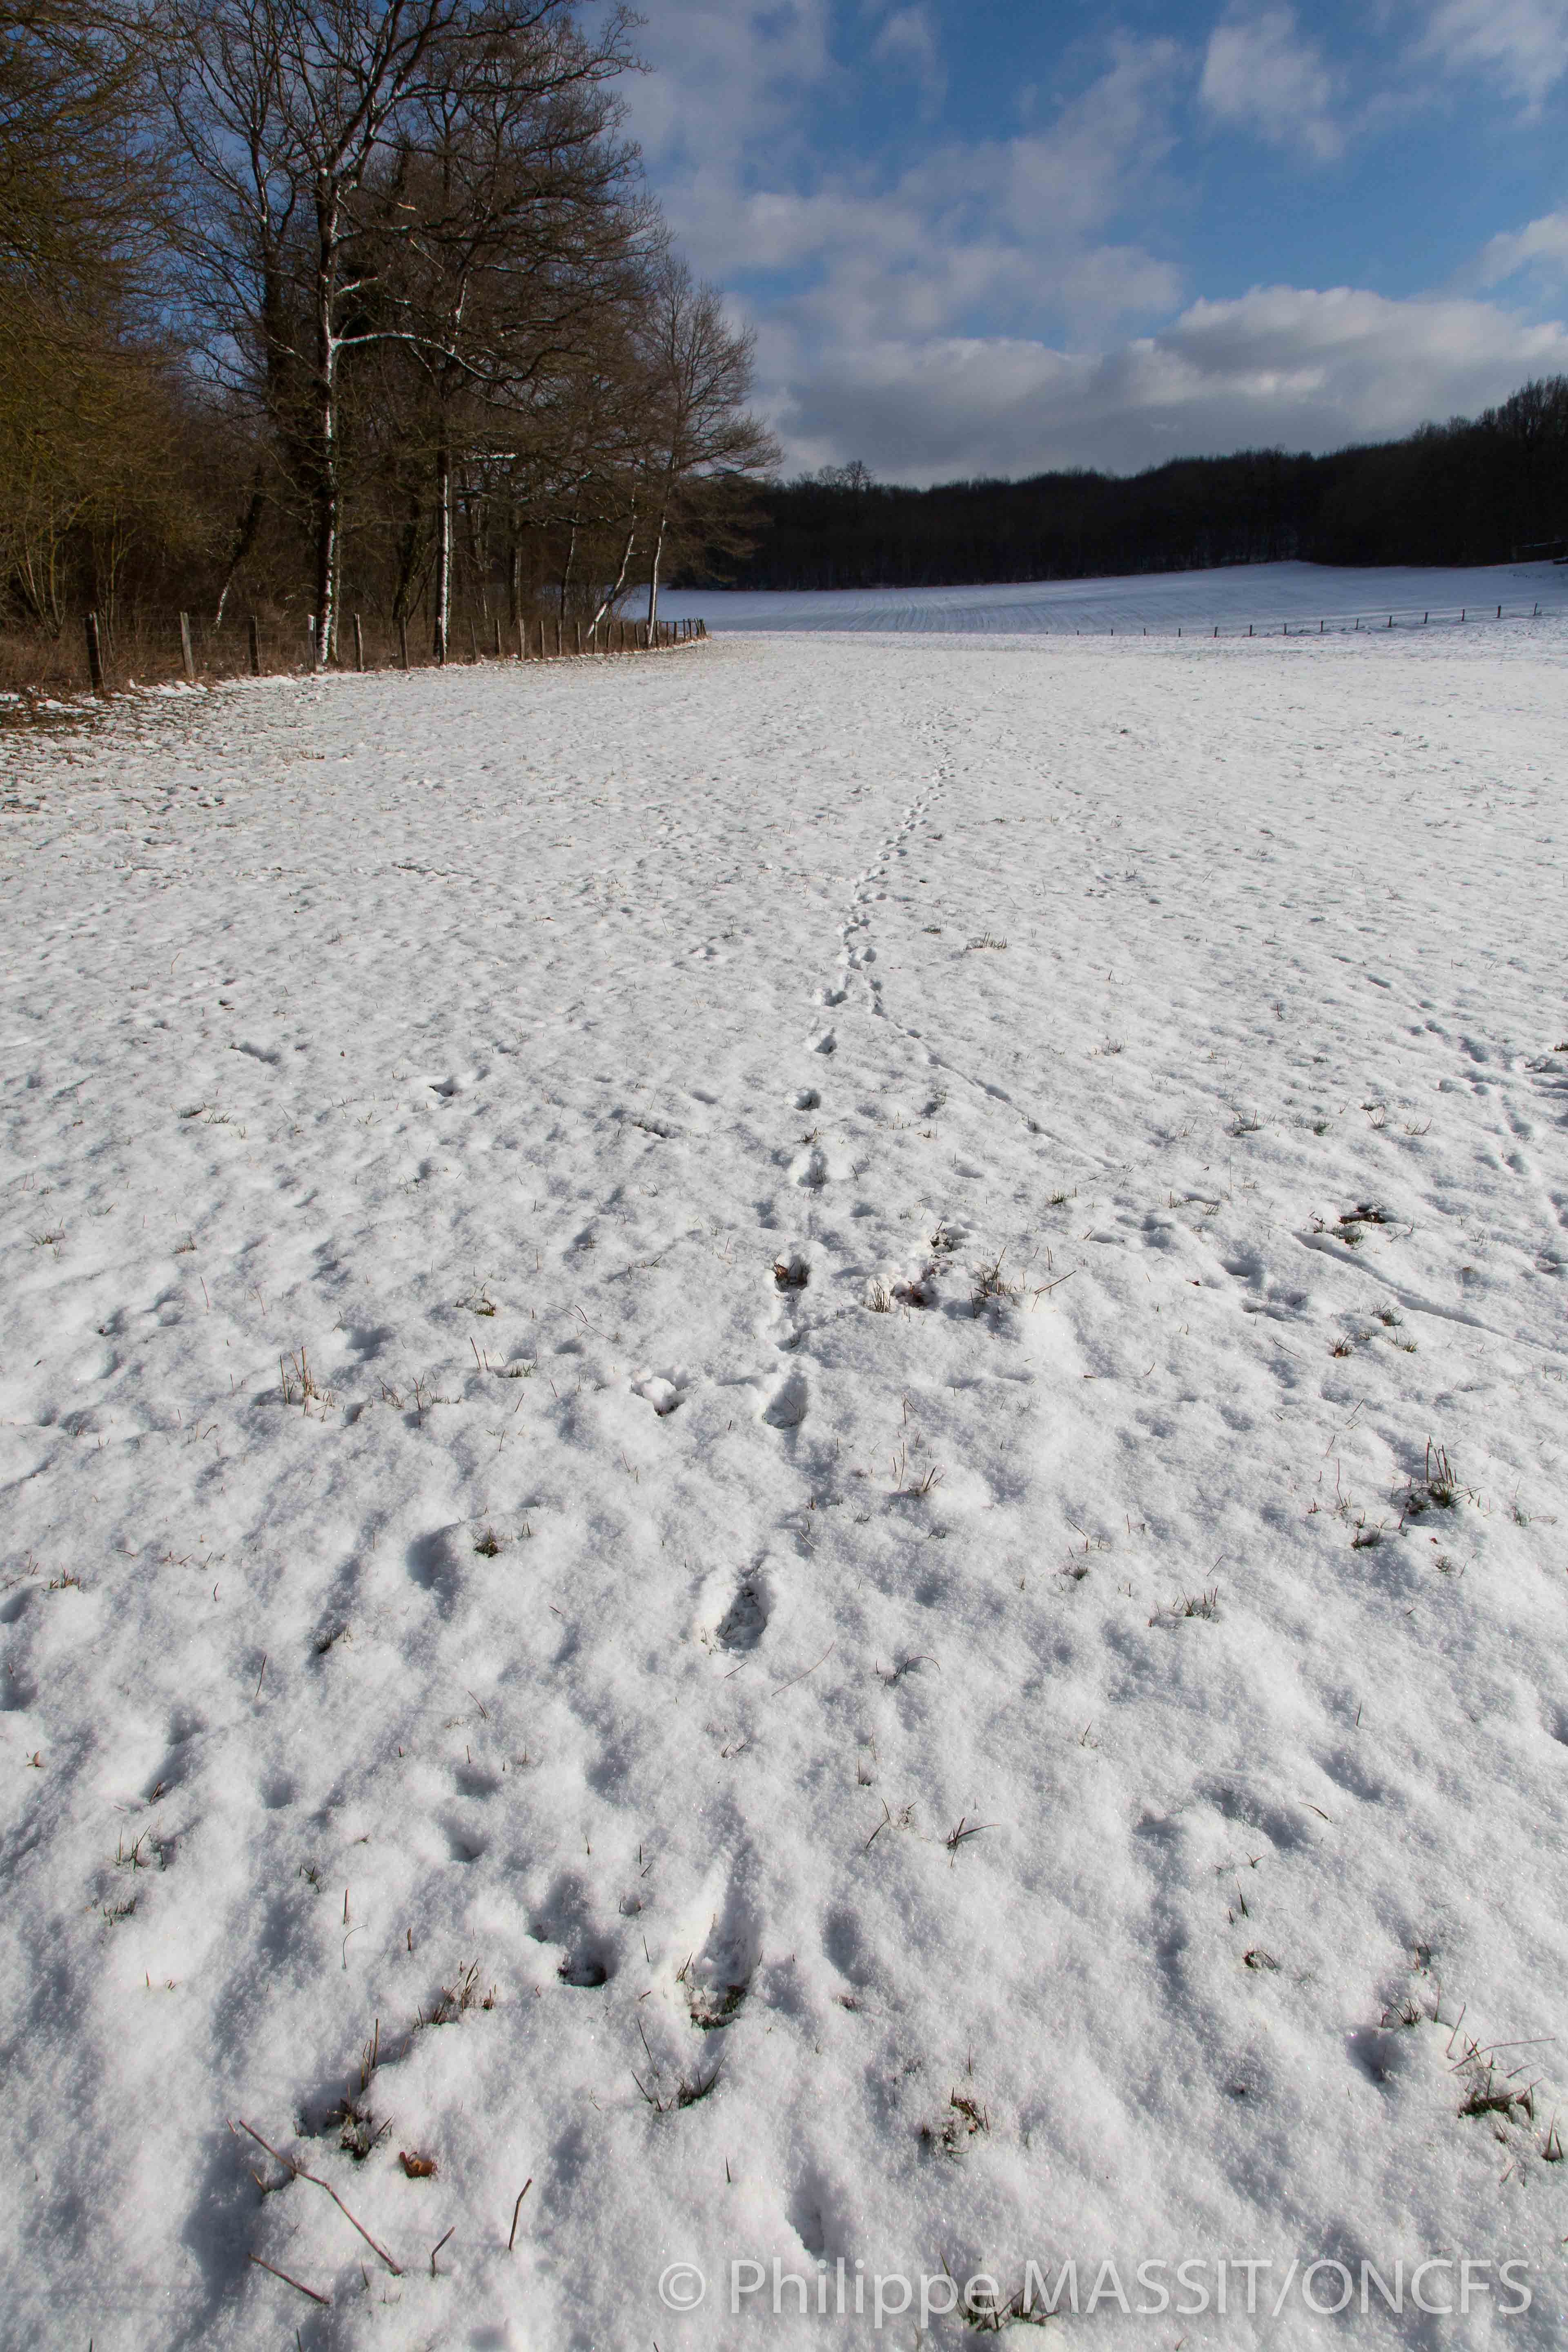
1016, 227
907, 43
1522, 43
1542, 244
1281, 366
1259, 75
731, 79
1099, 154
990, 305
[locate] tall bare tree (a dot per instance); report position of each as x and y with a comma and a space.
516, 230
285, 110
702, 441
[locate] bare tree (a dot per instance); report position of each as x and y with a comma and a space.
698, 378
516, 230
285, 109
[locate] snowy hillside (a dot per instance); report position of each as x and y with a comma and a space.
1232, 598
783, 1440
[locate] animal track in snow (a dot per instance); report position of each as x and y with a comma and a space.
588, 1958
720, 1978
724, 1944
746, 1621
786, 1407
664, 1391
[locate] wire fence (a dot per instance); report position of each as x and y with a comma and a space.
1370, 624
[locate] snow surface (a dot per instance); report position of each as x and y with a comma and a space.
1231, 598
740, 1690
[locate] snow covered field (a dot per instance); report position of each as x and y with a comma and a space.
781, 1437
1231, 598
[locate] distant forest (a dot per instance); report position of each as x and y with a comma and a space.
1476, 490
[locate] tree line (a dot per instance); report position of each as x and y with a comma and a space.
317, 305
1474, 490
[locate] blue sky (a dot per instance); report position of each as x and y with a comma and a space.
994, 237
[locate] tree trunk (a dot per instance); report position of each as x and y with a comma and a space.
443, 547
621, 575
513, 567
653, 576
325, 487
244, 541
571, 560
407, 556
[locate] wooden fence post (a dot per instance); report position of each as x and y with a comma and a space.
578, 626
311, 625
403, 641
253, 645
94, 653
359, 645
498, 636
185, 654
541, 636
